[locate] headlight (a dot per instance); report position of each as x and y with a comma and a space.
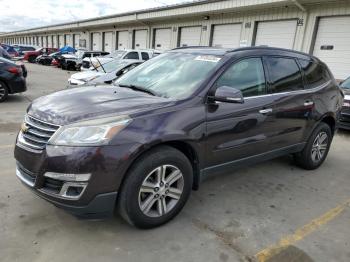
90, 133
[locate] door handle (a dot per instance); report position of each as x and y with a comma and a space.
308, 103
265, 111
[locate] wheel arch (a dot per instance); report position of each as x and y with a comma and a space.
184, 147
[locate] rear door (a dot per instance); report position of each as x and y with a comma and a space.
237, 131
292, 105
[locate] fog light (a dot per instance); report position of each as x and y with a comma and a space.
68, 177
72, 190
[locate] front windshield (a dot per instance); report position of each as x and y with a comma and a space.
111, 66
346, 84
173, 75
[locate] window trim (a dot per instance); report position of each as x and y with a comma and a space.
213, 88
270, 90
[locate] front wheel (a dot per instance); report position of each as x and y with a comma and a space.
156, 188
316, 149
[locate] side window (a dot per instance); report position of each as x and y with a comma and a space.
132, 55
246, 75
96, 54
315, 74
284, 74
145, 56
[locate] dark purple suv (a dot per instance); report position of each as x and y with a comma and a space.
142, 144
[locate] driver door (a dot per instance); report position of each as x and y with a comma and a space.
237, 131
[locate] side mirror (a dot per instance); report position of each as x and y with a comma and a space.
228, 94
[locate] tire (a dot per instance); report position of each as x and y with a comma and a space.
144, 172
31, 59
3, 92
312, 155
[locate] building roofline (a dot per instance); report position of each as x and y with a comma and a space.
136, 12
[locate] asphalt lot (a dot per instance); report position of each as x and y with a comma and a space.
273, 211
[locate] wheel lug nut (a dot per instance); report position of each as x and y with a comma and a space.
156, 189
167, 192
156, 195
161, 184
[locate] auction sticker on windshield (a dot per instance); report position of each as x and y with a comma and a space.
208, 58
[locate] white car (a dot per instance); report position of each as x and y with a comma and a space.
140, 54
105, 73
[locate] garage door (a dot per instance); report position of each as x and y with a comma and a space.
49, 41
162, 39
190, 36
76, 38
95, 41
55, 41
67, 40
44, 41
140, 39
276, 34
61, 41
122, 40
226, 35
108, 41
332, 44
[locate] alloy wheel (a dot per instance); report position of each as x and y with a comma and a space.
319, 147
161, 190
2, 91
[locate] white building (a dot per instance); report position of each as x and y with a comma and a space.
318, 27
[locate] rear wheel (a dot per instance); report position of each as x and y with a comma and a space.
3, 91
316, 149
156, 188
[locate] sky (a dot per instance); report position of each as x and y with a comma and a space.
23, 14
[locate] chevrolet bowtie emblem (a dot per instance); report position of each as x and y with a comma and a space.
24, 127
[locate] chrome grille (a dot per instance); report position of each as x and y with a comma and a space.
36, 133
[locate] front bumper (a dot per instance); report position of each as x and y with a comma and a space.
344, 121
107, 166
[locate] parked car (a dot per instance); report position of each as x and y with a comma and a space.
23, 67
105, 73
142, 55
11, 79
143, 144
22, 48
10, 50
46, 59
30, 56
345, 113
74, 62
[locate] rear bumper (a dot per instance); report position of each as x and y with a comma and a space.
17, 85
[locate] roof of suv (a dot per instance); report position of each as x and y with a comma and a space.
224, 51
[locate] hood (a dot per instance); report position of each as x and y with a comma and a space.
78, 104
86, 75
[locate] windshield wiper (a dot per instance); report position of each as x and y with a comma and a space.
139, 88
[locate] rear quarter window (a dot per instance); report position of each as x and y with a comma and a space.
284, 74
315, 74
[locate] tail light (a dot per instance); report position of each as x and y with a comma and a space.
14, 70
